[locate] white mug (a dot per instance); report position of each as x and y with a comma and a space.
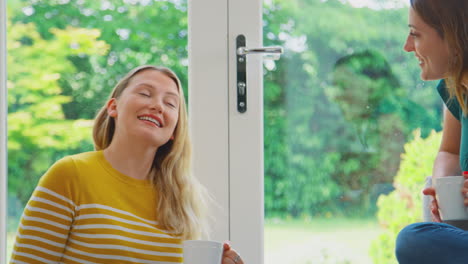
202, 252
450, 198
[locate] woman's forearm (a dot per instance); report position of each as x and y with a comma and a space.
446, 164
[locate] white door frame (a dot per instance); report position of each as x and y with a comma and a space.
228, 145
246, 134
208, 99
3, 133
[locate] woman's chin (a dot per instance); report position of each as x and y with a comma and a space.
431, 76
423, 77
428, 77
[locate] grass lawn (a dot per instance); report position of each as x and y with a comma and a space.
319, 241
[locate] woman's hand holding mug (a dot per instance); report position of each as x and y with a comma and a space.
434, 206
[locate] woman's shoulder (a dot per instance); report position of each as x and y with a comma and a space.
69, 165
90, 156
450, 101
70, 161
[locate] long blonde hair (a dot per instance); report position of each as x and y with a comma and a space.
182, 200
449, 18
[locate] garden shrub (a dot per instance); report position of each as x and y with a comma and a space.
403, 206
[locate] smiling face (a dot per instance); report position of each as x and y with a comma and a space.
429, 48
147, 109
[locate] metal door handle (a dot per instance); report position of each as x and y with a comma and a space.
241, 60
274, 50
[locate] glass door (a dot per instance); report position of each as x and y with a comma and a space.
343, 120
63, 58
339, 108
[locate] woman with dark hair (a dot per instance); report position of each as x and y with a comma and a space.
439, 39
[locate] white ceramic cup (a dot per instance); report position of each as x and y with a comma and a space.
202, 252
450, 198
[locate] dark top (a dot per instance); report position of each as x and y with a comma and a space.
454, 107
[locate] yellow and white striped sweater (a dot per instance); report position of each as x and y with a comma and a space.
85, 211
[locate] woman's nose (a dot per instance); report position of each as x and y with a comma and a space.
409, 45
158, 106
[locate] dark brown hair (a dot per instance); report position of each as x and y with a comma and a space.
450, 19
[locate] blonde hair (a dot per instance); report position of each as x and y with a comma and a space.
182, 200
449, 18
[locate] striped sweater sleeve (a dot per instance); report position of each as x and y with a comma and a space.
47, 218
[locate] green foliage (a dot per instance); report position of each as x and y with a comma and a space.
331, 154
37, 128
137, 33
403, 206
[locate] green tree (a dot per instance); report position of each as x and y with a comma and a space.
38, 131
137, 32
307, 169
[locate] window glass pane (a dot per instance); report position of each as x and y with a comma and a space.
64, 57
339, 108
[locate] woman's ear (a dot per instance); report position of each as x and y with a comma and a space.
112, 107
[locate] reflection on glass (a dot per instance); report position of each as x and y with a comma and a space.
374, 109
340, 107
63, 59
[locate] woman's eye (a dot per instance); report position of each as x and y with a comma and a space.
413, 34
144, 94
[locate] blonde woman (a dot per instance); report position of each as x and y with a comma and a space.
133, 200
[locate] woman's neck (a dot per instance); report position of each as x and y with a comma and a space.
130, 158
